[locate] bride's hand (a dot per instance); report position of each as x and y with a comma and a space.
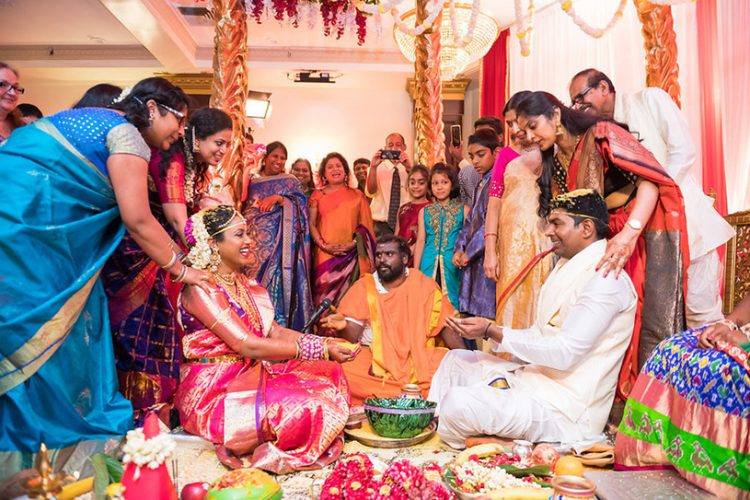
338, 353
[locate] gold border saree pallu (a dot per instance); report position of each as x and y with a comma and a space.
59, 223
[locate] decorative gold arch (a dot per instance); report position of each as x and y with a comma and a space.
230, 80
660, 42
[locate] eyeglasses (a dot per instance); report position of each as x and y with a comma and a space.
578, 99
6, 86
178, 114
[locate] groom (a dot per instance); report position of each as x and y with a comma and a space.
564, 388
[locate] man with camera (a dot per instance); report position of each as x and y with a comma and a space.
387, 183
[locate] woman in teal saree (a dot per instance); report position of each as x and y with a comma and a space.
73, 183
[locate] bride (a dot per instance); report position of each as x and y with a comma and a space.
248, 384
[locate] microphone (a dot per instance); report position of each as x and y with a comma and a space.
323, 307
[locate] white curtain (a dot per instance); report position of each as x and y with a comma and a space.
734, 41
560, 49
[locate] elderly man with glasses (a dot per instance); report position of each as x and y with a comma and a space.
656, 120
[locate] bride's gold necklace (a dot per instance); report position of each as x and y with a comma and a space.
228, 279
237, 291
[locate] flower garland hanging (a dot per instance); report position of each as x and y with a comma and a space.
524, 33
338, 16
433, 10
463, 40
567, 7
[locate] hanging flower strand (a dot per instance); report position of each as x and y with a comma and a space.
567, 7
463, 40
524, 34
433, 10
338, 16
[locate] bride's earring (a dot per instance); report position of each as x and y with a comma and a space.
214, 260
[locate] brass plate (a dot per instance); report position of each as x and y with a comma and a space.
368, 437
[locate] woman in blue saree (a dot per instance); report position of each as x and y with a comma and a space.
276, 212
73, 182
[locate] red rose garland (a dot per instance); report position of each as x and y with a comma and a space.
333, 12
352, 479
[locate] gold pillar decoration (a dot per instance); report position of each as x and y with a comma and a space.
660, 42
428, 104
230, 82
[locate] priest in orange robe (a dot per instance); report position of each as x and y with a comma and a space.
398, 315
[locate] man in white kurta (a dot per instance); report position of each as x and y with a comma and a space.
655, 119
562, 386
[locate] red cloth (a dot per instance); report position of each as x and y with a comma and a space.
709, 64
495, 77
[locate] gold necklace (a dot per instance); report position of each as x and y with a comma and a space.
228, 279
242, 298
565, 159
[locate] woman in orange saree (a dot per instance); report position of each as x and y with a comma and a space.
342, 229
265, 395
648, 232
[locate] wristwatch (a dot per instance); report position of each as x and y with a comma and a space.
635, 224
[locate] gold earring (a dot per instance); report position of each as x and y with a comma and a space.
558, 129
196, 146
214, 260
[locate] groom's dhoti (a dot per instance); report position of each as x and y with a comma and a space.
470, 406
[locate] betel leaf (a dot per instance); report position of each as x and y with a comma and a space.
107, 470
537, 470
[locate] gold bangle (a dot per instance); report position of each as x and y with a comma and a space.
171, 262
490, 234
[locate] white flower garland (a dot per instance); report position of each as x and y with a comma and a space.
200, 252
567, 7
433, 9
524, 33
462, 40
483, 479
144, 452
125, 92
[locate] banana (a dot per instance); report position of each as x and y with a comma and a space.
480, 450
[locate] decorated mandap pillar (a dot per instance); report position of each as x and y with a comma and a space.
428, 105
660, 42
230, 84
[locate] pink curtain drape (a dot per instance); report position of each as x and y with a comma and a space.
494, 91
709, 63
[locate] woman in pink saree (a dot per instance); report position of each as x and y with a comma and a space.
264, 394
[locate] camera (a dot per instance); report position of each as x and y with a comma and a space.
456, 135
390, 154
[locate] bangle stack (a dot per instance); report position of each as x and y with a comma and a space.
181, 277
311, 348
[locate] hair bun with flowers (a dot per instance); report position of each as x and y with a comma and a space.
197, 238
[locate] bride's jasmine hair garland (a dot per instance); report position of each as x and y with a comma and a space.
197, 237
